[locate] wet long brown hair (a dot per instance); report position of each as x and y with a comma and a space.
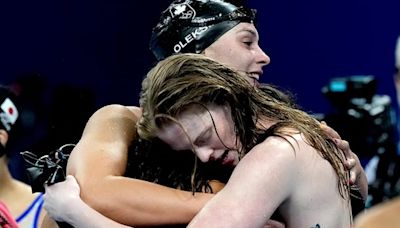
185, 79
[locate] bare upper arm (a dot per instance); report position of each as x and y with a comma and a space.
104, 144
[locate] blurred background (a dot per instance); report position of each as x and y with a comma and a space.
67, 58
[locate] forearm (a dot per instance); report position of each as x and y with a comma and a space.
84, 216
135, 202
130, 201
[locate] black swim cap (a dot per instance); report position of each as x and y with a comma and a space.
190, 26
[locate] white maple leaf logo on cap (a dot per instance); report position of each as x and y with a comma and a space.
9, 110
179, 9
183, 10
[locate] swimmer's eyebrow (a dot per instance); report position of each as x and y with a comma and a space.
253, 32
203, 135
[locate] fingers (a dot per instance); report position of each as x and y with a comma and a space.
344, 146
329, 131
71, 178
45, 188
352, 178
351, 159
350, 163
59, 197
68, 186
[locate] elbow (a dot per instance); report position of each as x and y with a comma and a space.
91, 194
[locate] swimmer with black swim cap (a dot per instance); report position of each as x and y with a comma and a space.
190, 26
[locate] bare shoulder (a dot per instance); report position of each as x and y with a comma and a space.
111, 119
280, 156
270, 169
106, 138
284, 147
112, 123
135, 110
116, 110
275, 155
293, 150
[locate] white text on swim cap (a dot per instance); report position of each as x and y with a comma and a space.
189, 38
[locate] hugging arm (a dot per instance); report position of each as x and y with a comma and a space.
63, 203
98, 162
357, 173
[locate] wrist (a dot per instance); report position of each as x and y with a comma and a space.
76, 212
